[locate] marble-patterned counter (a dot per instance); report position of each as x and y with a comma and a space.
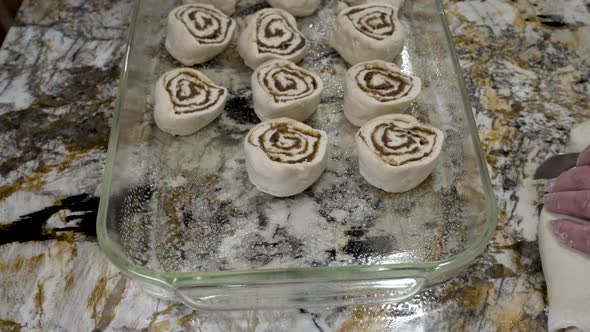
527, 67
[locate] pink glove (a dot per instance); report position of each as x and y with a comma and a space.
569, 194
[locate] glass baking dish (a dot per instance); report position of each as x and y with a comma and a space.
179, 213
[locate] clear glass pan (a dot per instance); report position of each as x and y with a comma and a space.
180, 214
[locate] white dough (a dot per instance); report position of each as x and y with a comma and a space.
280, 88
376, 88
226, 6
197, 33
271, 34
297, 8
579, 137
567, 275
367, 32
185, 101
395, 3
284, 157
396, 152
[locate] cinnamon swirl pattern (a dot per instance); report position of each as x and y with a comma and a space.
197, 33
368, 32
396, 152
374, 21
185, 100
226, 6
283, 89
382, 84
375, 88
284, 156
297, 8
394, 3
271, 34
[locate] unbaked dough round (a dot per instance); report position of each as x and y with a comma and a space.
197, 33
396, 152
367, 32
185, 100
270, 34
375, 88
284, 157
280, 88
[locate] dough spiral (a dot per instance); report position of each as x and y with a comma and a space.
284, 157
285, 81
271, 34
367, 32
276, 35
380, 83
185, 100
286, 143
190, 92
396, 152
376, 88
206, 25
398, 142
374, 21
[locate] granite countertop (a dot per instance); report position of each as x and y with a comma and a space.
527, 68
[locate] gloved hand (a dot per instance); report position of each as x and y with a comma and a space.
569, 194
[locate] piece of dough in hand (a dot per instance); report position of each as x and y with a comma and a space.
566, 274
579, 137
185, 100
284, 157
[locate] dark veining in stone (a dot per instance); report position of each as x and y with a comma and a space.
36, 126
555, 21
33, 226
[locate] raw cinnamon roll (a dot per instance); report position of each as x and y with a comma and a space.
283, 89
226, 6
185, 100
367, 32
284, 156
396, 152
375, 88
297, 8
197, 33
395, 3
271, 34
